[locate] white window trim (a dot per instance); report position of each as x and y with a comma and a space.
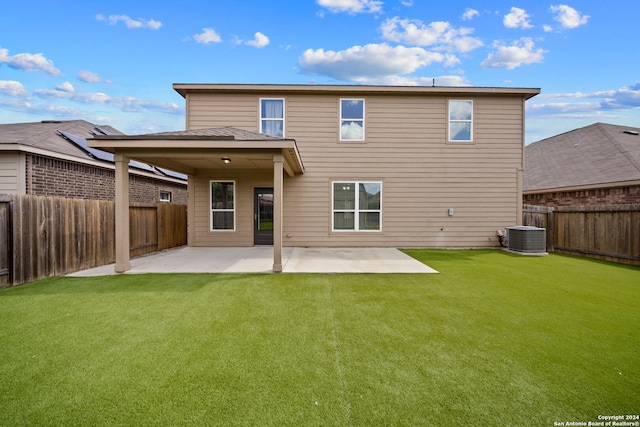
284, 113
356, 211
364, 115
211, 210
164, 200
449, 121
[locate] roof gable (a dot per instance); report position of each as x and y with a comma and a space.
593, 155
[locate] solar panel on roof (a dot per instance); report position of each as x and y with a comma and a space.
103, 155
82, 144
105, 131
142, 166
173, 174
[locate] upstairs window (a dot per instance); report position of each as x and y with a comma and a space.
357, 206
352, 120
460, 120
272, 117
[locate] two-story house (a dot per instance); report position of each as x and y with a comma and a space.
330, 165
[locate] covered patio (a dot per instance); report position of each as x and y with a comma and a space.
191, 151
258, 259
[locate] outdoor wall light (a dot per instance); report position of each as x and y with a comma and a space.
226, 160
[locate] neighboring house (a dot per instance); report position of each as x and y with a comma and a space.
594, 165
329, 165
51, 158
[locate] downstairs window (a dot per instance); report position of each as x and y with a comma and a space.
357, 206
223, 211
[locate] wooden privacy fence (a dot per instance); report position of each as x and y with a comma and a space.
51, 236
605, 232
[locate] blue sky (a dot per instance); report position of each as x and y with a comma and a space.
114, 62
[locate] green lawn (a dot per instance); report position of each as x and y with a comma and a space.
494, 339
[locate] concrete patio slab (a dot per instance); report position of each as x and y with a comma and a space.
259, 259
353, 260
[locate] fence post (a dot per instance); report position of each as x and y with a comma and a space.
6, 243
551, 227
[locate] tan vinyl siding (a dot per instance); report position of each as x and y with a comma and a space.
245, 182
406, 148
10, 176
239, 111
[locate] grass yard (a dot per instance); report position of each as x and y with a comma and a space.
493, 340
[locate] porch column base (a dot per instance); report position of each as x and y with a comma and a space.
121, 268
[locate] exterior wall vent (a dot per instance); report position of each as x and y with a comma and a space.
527, 239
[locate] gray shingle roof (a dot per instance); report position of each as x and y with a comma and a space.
596, 154
44, 135
221, 132
61, 137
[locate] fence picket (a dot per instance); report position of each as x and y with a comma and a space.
50, 236
605, 232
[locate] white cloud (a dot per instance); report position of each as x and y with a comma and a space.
40, 109
407, 3
469, 14
547, 28
90, 77
396, 80
557, 108
131, 104
12, 88
259, 40
439, 34
352, 6
28, 62
124, 103
208, 35
591, 104
151, 24
568, 17
351, 130
624, 97
359, 63
517, 18
521, 52
87, 98
65, 87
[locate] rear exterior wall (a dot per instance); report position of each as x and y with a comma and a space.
406, 148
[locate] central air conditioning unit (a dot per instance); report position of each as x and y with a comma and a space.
527, 239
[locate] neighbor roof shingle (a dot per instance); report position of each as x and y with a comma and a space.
596, 154
44, 135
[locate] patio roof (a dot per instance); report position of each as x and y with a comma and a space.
200, 149
188, 151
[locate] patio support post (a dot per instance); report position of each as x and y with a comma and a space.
122, 213
278, 179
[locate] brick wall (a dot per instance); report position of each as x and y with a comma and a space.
600, 196
59, 178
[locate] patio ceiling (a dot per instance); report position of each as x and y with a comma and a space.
188, 153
